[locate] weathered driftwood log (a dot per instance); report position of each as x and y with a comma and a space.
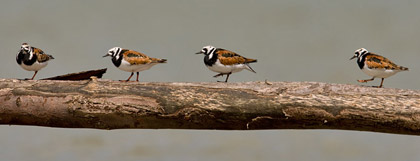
105, 104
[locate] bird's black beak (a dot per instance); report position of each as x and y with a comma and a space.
106, 55
353, 57
199, 52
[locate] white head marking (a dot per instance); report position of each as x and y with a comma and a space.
360, 52
208, 50
115, 52
28, 49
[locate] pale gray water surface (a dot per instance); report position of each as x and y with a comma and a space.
307, 40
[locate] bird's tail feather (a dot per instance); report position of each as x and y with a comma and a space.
249, 68
156, 60
403, 68
251, 60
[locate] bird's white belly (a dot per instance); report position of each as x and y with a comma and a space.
34, 67
220, 68
379, 73
126, 66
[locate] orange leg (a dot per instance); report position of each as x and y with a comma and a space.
34, 75
132, 73
367, 80
221, 74
382, 82
218, 75
227, 77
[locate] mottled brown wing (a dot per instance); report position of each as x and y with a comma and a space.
227, 57
377, 61
134, 57
41, 56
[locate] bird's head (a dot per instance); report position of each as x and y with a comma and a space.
207, 50
25, 47
359, 52
113, 52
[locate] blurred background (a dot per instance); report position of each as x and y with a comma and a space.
306, 40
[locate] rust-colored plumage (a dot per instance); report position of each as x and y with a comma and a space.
32, 59
227, 57
225, 62
134, 58
41, 56
132, 61
376, 61
375, 66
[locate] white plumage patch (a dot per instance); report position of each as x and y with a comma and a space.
34, 67
211, 55
31, 55
220, 68
379, 72
126, 66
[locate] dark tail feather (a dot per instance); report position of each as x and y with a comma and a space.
50, 56
156, 60
251, 60
403, 68
250, 69
162, 60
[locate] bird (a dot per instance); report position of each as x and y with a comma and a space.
32, 59
225, 62
132, 61
375, 65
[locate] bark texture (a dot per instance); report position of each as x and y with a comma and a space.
105, 104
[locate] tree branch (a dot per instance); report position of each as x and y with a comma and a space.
80, 76
105, 104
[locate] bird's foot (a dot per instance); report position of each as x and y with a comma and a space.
218, 75
363, 81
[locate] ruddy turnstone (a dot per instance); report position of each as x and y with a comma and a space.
132, 61
375, 66
32, 59
225, 62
